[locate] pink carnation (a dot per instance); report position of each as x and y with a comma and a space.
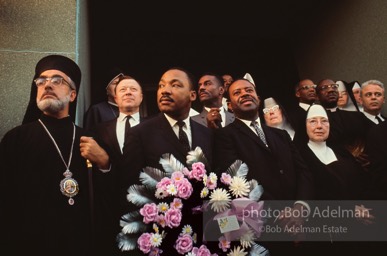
173, 217
177, 177
144, 242
184, 189
225, 178
184, 244
186, 172
224, 244
210, 184
160, 220
149, 211
198, 171
177, 204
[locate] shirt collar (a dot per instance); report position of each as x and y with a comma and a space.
135, 116
248, 122
304, 106
173, 122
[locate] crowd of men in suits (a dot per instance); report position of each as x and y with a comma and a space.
120, 143
233, 132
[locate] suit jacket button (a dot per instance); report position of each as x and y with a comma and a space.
282, 171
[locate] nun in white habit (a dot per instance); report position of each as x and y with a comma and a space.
338, 178
337, 174
345, 101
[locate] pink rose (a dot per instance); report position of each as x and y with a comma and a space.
163, 183
173, 217
184, 189
144, 242
149, 211
198, 171
184, 244
203, 251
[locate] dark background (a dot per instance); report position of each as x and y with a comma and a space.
145, 39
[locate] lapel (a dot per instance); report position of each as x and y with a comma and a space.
229, 117
247, 131
196, 133
203, 116
112, 135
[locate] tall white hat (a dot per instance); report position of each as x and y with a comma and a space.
269, 102
249, 77
342, 87
316, 110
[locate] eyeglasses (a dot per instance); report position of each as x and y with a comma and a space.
327, 86
307, 87
369, 94
272, 109
313, 122
55, 81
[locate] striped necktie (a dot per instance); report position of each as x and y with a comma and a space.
259, 132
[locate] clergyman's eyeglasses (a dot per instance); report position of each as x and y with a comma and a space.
327, 86
55, 81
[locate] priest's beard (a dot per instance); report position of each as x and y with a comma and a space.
53, 106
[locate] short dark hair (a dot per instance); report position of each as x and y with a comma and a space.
217, 77
191, 78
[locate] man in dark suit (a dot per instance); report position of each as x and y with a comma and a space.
347, 128
211, 91
372, 99
376, 149
305, 92
273, 160
159, 135
128, 96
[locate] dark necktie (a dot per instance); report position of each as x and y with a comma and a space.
379, 119
183, 136
127, 127
259, 132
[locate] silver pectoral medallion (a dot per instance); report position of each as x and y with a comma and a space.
69, 186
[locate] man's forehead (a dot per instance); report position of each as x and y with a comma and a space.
51, 72
306, 82
326, 81
174, 76
372, 86
128, 82
242, 84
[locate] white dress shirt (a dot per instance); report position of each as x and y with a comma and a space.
186, 128
120, 127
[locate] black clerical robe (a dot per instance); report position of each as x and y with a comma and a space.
36, 218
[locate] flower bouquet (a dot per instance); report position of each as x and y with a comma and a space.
170, 200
